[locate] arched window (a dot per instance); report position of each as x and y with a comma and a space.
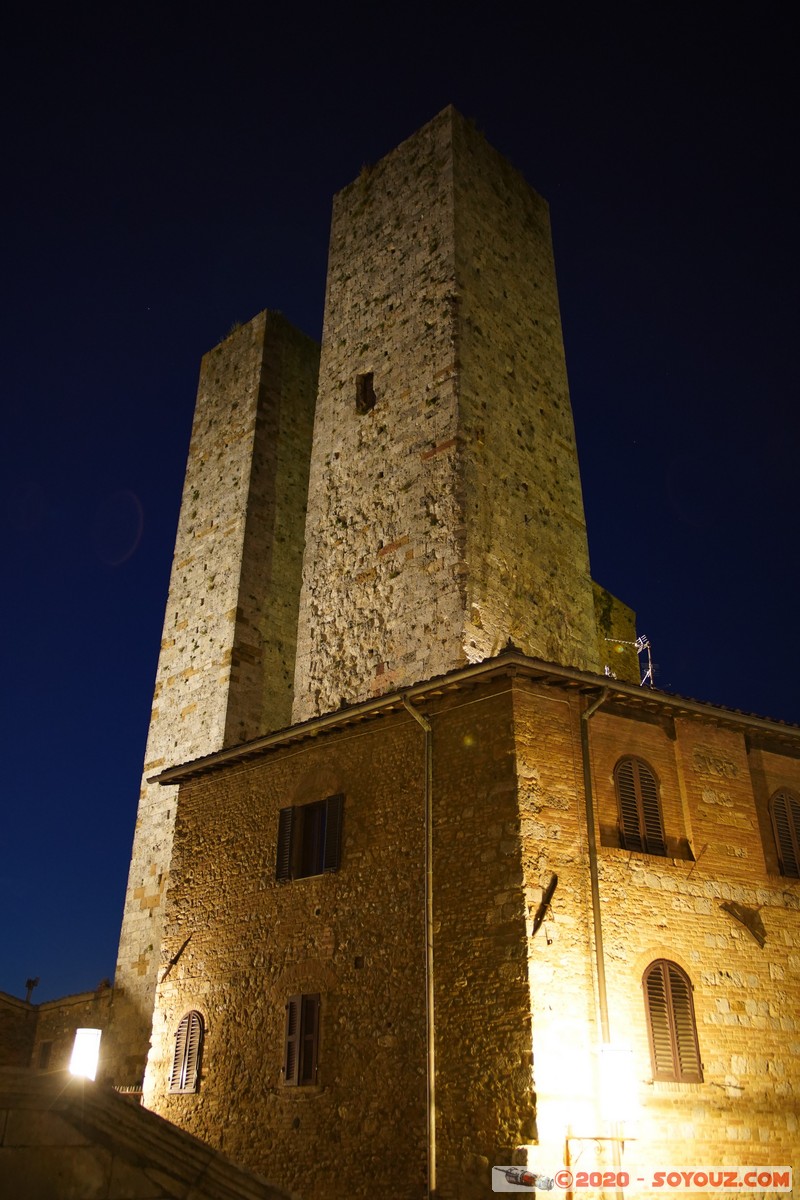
785, 812
641, 827
670, 1023
185, 1076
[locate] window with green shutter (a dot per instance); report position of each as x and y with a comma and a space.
785, 812
674, 1049
185, 1075
640, 822
309, 839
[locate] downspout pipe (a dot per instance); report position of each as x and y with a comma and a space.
600, 959
429, 1015
602, 994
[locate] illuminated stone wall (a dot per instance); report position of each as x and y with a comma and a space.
57, 1021
41, 1036
442, 522
616, 636
448, 518
64, 1137
17, 1031
517, 1031
747, 999
358, 938
227, 656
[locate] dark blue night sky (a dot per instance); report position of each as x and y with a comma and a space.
164, 181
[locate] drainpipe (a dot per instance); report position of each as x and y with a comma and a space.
602, 995
429, 1022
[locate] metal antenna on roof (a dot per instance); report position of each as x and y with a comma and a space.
641, 646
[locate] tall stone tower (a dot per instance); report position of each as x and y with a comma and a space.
445, 512
227, 654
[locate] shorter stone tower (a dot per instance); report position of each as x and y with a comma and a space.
445, 514
227, 654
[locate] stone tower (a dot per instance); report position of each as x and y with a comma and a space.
445, 514
227, 654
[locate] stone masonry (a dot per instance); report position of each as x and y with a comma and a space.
227, 656
447, 518
516, 1031
381, 593
438, 499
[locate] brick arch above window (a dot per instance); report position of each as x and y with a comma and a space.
185, 1075
671, 1025
640, 821
784, 811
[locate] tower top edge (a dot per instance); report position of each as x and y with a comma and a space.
460, 126
269, 320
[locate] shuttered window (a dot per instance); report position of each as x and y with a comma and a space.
785, 811
671, 1025
185, 1076
641, 826
309, 839
302, 1040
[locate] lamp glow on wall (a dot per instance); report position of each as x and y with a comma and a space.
617, 1083
85, 1053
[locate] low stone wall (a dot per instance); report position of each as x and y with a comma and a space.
61, 1136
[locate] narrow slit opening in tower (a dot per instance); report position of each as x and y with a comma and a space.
365, 392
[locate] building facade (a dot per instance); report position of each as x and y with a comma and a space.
508, 812
398, 505
411, 866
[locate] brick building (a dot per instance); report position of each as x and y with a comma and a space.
512, 793
410, 866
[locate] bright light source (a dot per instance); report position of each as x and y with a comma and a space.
617, 1084
85, 1053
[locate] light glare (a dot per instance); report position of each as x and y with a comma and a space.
85, 1053
617, 1084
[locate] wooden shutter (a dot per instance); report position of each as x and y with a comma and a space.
671, 1024
650, 808
332, 854
283, 863
291, 1052
179, 1058
785, 810
630, 828
185, 1073
641, 827
302, 1040
661, 1045
194, 1046
309, 1039
688, 1051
